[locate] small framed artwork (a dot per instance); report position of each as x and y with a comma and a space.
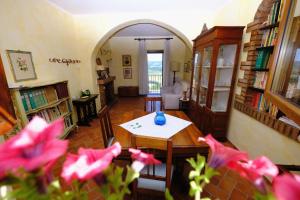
127, 73
126, 60
21, 65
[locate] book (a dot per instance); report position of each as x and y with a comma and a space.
31, 99
24, 102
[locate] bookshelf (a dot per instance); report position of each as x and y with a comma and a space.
49, 101
265, 38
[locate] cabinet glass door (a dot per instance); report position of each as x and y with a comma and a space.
224, 72
195, 82
206, 66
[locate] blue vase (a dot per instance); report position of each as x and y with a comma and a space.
160, 118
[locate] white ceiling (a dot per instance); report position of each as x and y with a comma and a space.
101, 6
143, 30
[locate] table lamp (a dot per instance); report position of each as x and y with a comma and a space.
175, 67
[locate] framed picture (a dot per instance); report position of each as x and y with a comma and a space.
21, 65
127, 73
126, 60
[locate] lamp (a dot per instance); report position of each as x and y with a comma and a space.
175, 67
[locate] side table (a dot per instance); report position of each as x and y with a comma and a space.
86, 109
184, 104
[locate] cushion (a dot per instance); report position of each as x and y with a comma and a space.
177, 89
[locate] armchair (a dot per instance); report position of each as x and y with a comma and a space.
172, 94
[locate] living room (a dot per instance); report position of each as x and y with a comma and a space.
68, 42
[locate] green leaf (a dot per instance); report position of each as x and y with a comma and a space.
168, 195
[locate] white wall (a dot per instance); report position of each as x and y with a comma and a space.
245, 132
128, 46
47, 32
92, 28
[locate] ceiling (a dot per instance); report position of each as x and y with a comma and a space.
109, 6
141, 30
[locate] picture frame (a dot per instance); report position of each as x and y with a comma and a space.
127, 73
126, 60
21, 65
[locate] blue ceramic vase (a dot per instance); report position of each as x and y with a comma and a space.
160, 118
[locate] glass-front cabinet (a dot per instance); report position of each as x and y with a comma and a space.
213, 78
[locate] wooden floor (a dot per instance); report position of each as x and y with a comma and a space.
226, 186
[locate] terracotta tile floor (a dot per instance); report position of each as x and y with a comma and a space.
227, 185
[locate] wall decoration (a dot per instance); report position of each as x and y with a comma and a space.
187, 66
64, 61
126, 60
127, 73
21, 65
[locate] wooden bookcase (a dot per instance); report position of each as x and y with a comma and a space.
252, 99
49, 101
216, 54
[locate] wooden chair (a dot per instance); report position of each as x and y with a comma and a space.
154, 179
152, 104
106, 127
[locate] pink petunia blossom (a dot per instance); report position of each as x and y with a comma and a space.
221, 155
88, 163
287, 187
35, 146
141, 159
254, 170
147, 159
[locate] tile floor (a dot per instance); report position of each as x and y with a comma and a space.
228, 185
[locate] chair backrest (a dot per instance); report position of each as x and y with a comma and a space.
152, 104
106, 127
154, 145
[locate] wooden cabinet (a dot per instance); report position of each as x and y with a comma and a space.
49, 101
216, 55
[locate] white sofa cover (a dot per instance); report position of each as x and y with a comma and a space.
171, 95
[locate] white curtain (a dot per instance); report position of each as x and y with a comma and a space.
166, 63
143, 68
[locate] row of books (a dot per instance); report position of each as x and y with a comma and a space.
62, 90
262, 59
269, 37
260, 80
32, 99
275, 13
68, 121
259, 102
49, 114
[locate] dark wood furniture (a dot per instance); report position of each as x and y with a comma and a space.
106, 127
159, 176
86, 109
128, 91
6, 102
216, 55
184, 104
153, 103
185, 142
106, 91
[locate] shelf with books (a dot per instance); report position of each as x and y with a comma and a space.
257, 89
49, 105
49, 102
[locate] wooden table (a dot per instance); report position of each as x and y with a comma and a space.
86, 109
185, 142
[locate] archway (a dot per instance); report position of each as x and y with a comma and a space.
118, 28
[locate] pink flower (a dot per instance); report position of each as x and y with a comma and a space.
147, 159
35, 146
221, 155
88, 163
142, 159
254, 170
287, 187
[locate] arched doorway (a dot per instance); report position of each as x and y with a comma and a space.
99, 50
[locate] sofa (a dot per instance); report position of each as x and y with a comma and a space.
172, 94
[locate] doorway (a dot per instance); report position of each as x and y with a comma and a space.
155, 71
